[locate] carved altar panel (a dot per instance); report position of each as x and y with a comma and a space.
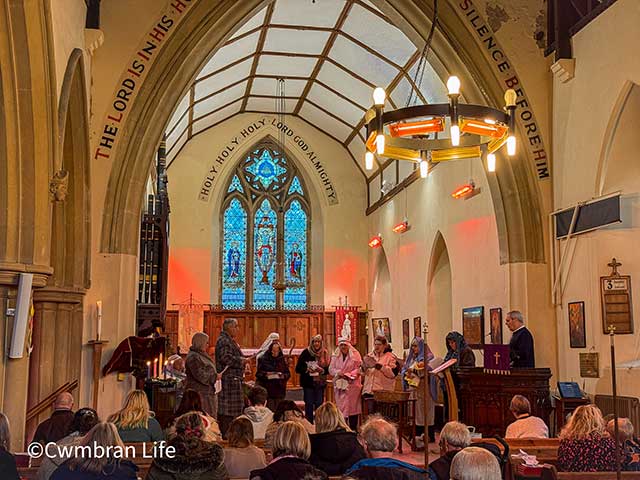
255, 326
263, 326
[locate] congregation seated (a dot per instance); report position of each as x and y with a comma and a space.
57, 425
291, 451
104, 467
194, 458
475, 463
629, 443
134, 421
453, 438
241, 456
192, 402
257, 413
526, 425
8, 468
380, 440
83, 421
287, 411
585, 445
334, 447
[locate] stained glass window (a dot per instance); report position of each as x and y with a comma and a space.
295, 241
295, 187
234, 265
265, 239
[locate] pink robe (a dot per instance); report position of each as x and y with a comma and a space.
348, 401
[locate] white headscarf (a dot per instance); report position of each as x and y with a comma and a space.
273, 336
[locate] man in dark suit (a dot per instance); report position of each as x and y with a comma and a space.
521, 344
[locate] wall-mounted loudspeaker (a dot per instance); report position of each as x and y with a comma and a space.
21, 319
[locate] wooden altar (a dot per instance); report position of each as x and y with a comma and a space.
484, 398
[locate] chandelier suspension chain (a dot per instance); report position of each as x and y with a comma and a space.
419, 74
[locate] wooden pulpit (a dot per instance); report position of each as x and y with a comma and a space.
484, 398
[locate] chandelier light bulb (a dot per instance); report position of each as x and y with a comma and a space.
380, 144
424, 168
511, 145
368, 161
453, 85
379, 96
491, 162
510, 97
455, 135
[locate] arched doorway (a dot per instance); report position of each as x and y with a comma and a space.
439, 292
382, 296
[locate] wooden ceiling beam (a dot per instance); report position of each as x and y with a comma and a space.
325, 53
259, 47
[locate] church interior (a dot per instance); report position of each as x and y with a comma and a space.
355, 169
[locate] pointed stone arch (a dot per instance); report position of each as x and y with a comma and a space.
58, 320
208, 23
618, 167
439, 293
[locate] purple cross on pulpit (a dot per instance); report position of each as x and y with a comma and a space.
496, 358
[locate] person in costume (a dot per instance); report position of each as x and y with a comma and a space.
347, 382
313, 367
413, 373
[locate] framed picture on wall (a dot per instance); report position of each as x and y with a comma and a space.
473, 326
577, 332
381, 327
495, 323
417, 327
405, 333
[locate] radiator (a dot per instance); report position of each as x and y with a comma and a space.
628, 407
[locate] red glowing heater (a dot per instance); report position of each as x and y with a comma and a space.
375, 242
402, 227
463, 191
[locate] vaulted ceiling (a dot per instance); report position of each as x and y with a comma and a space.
331, 54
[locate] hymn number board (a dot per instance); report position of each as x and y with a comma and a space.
616, 301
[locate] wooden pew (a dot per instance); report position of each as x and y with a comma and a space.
597, 475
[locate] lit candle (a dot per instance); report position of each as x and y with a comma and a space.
155, 368
165, 369
99, 311
160, 363
148, 369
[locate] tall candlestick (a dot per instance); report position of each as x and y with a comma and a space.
99, 312
160, 364
148, 369
155, 368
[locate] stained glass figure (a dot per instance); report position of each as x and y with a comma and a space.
264, 296
295, 187
235, 258
235, 186
295, 245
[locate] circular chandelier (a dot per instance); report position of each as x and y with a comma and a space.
411, 133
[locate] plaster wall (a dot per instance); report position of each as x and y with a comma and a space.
68, 20
338, 236
596, 117
469, 232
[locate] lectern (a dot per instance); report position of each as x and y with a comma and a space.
485, 397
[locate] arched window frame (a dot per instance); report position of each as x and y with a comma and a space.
251, 199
